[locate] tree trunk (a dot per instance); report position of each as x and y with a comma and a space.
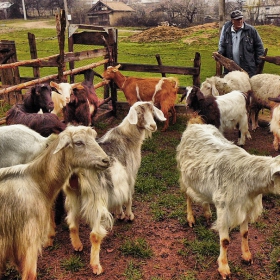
221, 14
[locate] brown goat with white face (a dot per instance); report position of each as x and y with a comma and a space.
161, 91
27, 193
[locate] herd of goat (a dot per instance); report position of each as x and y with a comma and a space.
42, 156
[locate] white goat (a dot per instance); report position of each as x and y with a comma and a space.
16, 150
226, 112
275, 127
27, 193
265, 88
21, 144
62, 96
215, 171
235, 80
114, 187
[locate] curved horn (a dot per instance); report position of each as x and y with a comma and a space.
275, 99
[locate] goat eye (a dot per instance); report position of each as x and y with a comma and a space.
79, 143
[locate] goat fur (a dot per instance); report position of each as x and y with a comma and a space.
265, 88
161, 91
215, 171
115, 187
27, 193
235, 80
226, 112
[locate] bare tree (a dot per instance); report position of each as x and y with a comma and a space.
178, 12
222, 9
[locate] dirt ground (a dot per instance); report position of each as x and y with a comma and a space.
168, 33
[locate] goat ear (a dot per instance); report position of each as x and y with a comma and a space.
214, 90
64, 141
54, 84
159, 114
132, 116
200, 95
275, 171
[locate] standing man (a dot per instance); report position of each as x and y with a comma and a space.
241, 43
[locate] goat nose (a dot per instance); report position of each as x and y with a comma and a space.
153, 127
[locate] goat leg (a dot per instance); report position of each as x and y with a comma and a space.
94, 253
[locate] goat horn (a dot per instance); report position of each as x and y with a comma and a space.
75, 85
275, 99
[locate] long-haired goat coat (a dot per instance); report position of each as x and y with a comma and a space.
215, 171
114, 187
161, 91
27, 193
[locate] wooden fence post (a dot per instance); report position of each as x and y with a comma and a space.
9, 76
60, 29
33, 53
197, 64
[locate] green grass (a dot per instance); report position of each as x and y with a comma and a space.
72, 264
133, 272
176, 53
138, 248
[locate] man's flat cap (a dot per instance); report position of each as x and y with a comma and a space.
236, 14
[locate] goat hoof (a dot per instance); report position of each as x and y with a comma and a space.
120, 217
247, 262
130, 217
97, 269
78, 248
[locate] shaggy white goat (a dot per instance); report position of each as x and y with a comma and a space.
21, 144
264, 86
275, 127
115, 187
18, 150
235, 80
27, 193
215, 171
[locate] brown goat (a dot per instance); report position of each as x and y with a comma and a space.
161, 91
82, 107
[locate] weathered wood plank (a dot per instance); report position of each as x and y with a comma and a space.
159, 69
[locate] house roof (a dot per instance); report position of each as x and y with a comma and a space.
113, 6
5, 5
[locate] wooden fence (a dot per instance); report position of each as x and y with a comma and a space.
105, 38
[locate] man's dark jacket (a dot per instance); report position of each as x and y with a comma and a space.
250, 48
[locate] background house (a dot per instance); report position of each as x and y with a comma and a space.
108, 14
9, 10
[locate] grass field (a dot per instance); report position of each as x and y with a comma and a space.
176, 53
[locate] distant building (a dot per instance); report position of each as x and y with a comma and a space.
108, 13
9, 10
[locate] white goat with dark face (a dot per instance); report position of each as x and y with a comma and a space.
114, 187
27, 193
